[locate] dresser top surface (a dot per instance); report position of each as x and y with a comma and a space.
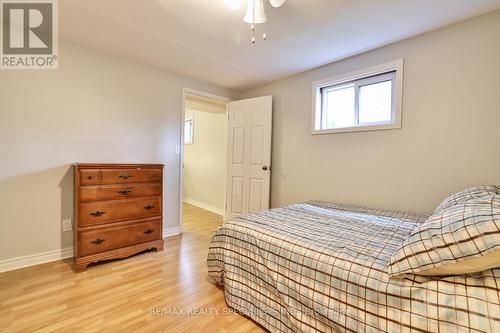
117, 166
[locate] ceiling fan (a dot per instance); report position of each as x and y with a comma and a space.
255, 13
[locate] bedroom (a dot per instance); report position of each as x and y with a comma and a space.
116, 96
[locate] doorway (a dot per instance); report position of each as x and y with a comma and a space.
204, 152
225, 166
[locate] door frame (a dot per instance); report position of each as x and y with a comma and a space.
189, 91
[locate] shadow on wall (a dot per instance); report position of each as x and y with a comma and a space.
32, 208
67, 202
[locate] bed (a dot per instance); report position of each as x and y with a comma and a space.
322, 267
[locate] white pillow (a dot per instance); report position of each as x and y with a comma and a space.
468, 194
461, 239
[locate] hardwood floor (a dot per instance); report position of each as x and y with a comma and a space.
122, 296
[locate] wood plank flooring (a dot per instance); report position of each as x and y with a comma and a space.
122, 296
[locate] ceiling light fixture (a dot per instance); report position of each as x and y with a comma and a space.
255, 13
277, 3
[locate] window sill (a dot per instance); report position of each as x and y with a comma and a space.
357, 129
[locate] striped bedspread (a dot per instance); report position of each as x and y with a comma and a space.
322, 267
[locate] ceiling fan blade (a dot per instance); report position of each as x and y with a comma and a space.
277, 3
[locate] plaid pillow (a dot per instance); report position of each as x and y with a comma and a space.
468, 194
461, 239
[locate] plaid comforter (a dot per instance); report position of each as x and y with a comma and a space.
321, 267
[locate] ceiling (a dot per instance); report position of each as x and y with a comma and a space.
206, 40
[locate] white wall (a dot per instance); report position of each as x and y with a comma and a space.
95, 108
205, 160
451, 126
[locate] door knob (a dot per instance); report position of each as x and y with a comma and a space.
264, 167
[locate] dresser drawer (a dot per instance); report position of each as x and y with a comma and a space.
110, 192
155, 175
116, 192
106, 239
89, 177
118, 210
124, 176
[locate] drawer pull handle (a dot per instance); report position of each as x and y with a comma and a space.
148, 231
97, 241
125, 176
125, 192
97, 214
149, 207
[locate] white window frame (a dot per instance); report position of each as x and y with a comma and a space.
393, 69
189, 118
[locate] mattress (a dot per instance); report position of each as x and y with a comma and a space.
322, 267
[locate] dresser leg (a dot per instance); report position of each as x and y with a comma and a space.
80, 267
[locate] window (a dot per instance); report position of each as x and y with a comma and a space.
365, 100
188, 130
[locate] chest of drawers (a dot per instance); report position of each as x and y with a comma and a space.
118, 211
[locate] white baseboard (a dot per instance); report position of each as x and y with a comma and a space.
170, 232
204, 206
35, 259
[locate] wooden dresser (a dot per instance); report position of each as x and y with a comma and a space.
118, 211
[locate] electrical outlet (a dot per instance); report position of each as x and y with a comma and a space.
67, 225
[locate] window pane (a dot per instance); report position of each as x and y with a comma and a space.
188, 131
339, 107
375, 102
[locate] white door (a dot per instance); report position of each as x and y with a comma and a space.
249, 156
